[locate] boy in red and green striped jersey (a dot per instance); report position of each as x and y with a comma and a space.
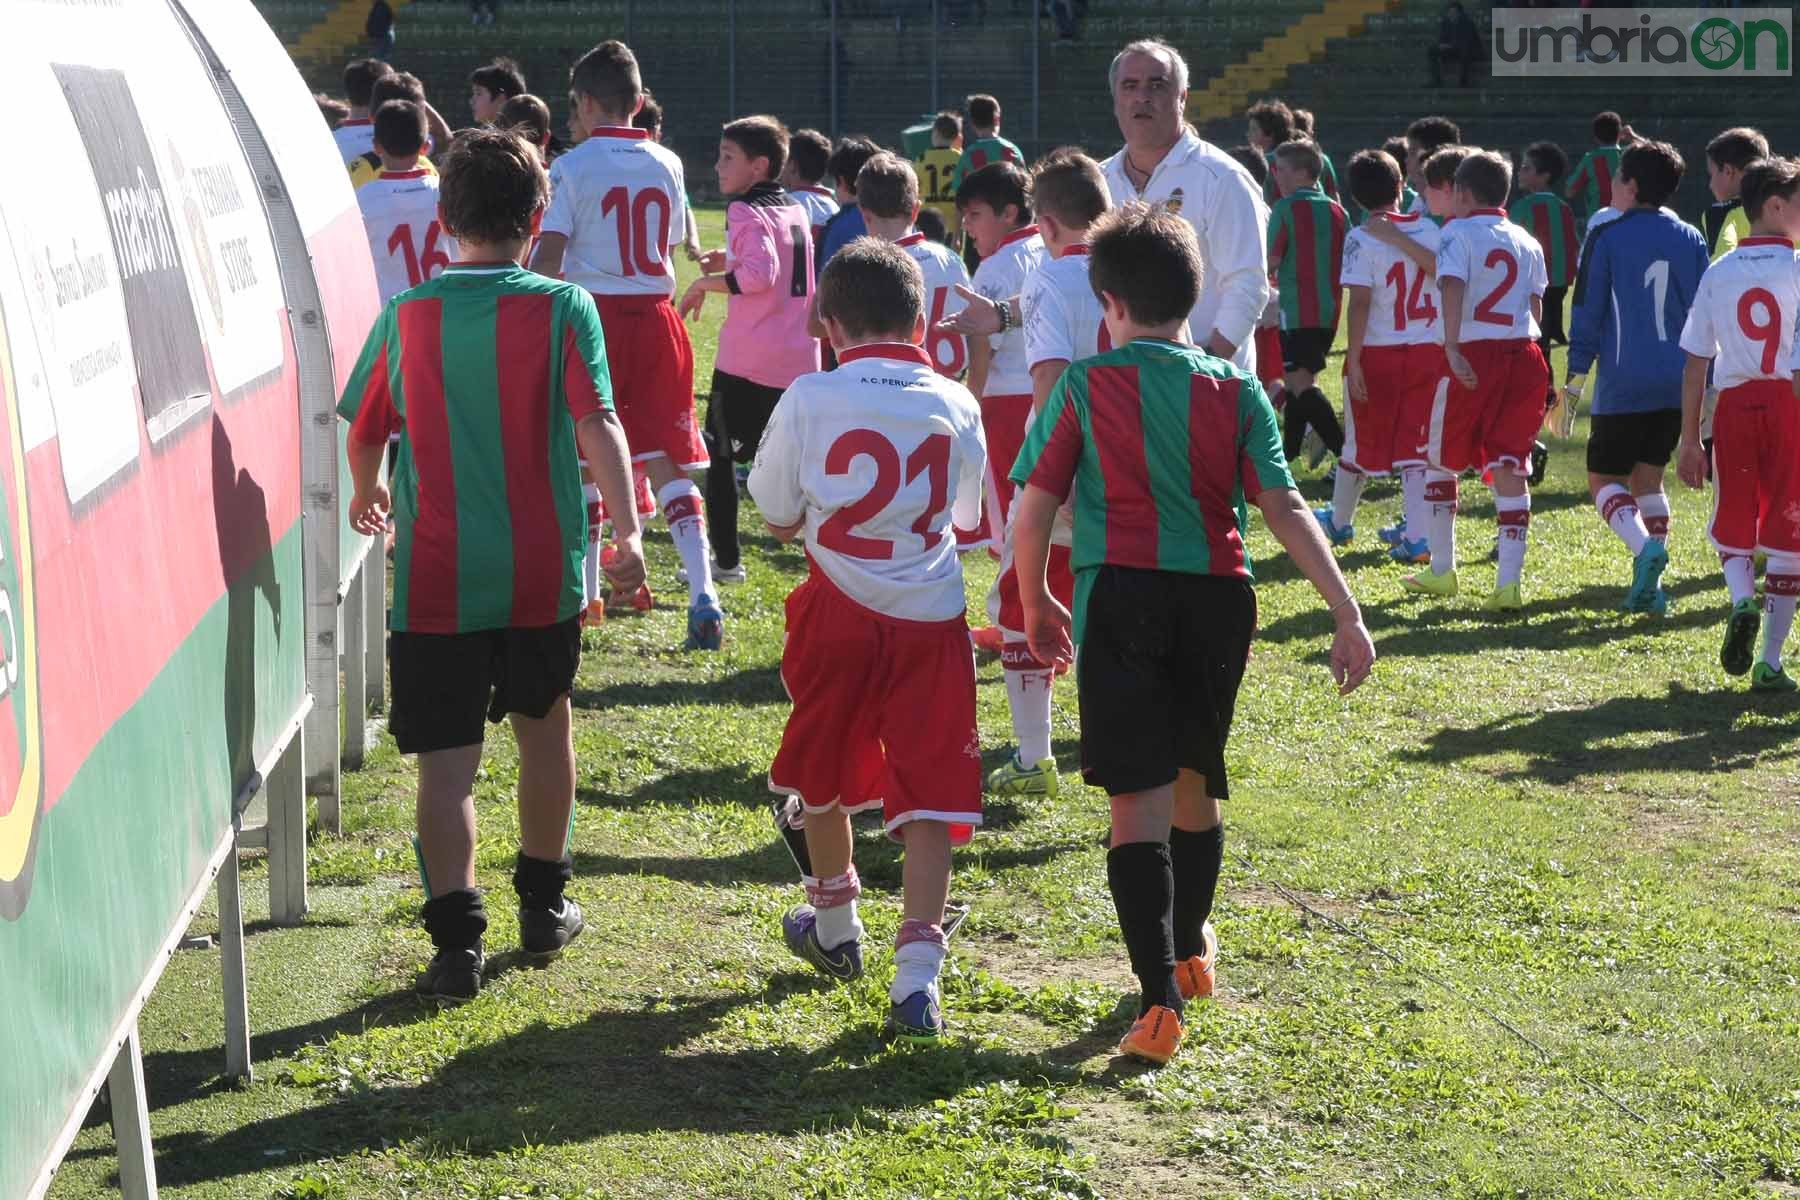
984, 149
493, 376
1590, 187
1161, 444
1306, 261
1551, 221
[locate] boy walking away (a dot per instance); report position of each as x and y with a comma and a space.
617, 213
1490, 403
355, 134
767, 271
1728, 156
1394, 360
1742, 323
1306, 258
877, 654
1063, 323
985, 149
493, 377
887, 191
401, 85
937, 169
1164, 609
400, 205
1328, 180
996, 214
1638, 278
1269, 371
1552, 222
809, 153
1591, 186
846, 225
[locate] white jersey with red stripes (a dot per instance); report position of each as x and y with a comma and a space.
355, 137
1063, 318
882, 460
1001, 276
1745, 313
1403, 301
621, 200
943, 270
1503, 266
400, 214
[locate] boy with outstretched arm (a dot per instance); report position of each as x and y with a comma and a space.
493, 377
871, 465
1164, 609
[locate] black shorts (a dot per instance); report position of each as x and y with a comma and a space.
447, 685
1617, 442
738, 414
1305, 349
1162, 655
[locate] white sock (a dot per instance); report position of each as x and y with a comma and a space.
1514, 513
1344, 496
680, 503
916, 967
1781, 591
1620, 512
1655, 508
1412, 502
1740, 576
1440, 519
590, 561
838, 924
1028, 696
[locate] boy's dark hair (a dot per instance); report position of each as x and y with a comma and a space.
1252, 160
1548, 160
1274, 118
848, 158
502, 77
400, 128
1769, 177
1303, 121
872, 287
760, 137
1148, 259
359, 76
887, 188
931, 223
1487, 176
1069, 186
1607, 126
997, 185
1302, 155
947, 125
809, 152
1440, 169
492, 183
1373, 178
400, 85
608, 75
527, 114
1655, 167
334, 111
649, 115
1738, 147
1429, 133
984, 111
1395, 148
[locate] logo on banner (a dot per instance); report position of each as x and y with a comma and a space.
21, 723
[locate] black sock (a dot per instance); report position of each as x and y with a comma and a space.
1143, 889
539, 881
722, 509
1324, 419
456, 920
1195, 858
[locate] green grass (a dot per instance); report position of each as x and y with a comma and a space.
1569, 820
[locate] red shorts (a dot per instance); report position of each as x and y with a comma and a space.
652, 368
1495, 424
1003, 420
1756, 469
884, 713
646, 502
1387, 430
1268, 357
1007, 612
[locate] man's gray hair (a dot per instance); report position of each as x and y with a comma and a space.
1154, 46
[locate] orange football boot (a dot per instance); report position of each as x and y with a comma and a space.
1195, 975
1154, 1037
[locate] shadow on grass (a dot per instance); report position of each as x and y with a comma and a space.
760, 685
733, 783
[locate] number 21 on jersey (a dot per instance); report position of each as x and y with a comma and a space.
930, 458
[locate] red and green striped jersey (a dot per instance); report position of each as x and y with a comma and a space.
1306, 258
483, 372
982, 151
1590, 187
1552, 222
1160, 443
1328, 183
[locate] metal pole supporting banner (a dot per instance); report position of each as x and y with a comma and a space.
835, 131
131, 1121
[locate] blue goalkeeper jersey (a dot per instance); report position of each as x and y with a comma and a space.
1637, 278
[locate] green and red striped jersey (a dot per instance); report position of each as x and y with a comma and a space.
483, 372
982, 151
1552, 222
1306, 258
1328, 183
1590, 187
1160, 443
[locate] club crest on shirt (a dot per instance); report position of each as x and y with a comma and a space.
1792, 513
1174, 202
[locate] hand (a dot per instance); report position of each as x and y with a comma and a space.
1354, 381
692, 301
1049, 632
1220, 346
1382, 229
712, 262
1459, 367
1352, 652
624, 567
369, 513
1690, 464
978, 316
692, 250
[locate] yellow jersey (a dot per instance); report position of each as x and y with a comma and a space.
366, 167
936, 169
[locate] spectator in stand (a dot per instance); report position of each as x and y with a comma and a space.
380, 29
1459, 41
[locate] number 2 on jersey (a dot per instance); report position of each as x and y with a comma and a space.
931, 458
635, 243
1767, 332
1484, 312
424, 262
1416, 304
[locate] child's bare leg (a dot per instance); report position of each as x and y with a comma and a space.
925, 875
833, 888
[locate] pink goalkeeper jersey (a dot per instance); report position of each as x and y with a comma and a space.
769, 271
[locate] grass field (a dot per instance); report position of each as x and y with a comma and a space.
1518, 919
